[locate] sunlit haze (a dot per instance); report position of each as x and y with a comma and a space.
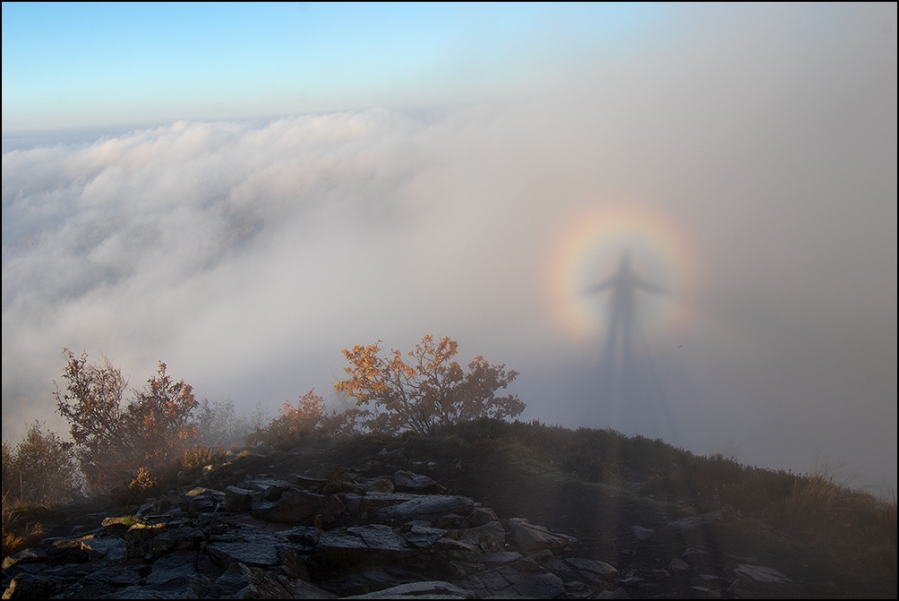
243, 190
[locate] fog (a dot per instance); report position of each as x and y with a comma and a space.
749, 171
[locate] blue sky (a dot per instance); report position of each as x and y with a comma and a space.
88, 65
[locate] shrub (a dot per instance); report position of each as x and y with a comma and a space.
219, 425
430, 392
41, 470
143, 485
114, 441
309, 420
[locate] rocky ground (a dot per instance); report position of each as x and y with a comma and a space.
419, 518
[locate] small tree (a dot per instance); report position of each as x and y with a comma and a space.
219, 425
429, 392
311, 419
41, 469
114, 441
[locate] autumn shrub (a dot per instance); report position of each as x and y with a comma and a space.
41, 470
114, 440
428, 392
310, 421
142, 486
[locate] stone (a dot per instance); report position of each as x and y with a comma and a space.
678, 565
177, 539
691, 523
381, 539
761, 574
309, 484
271, 489
174, 571
423, 537
420, 590
426, 506
116, 575
382, 484
306, 536
29, 555
501, 557
641, 534
480, 516
110, 548
618, 593
298, 506
417, 483
490, 536
32, 586
530, 537
254, 549
540, 586
238, 499
600, 568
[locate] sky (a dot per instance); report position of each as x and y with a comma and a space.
241, 191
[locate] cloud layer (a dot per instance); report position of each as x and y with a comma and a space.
246, 255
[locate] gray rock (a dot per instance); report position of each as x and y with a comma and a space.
29, 555
423, 537
678, 565
381, 539
33, 586
253, 549
640, 533
298, 506
306, 536
238, 499
116, 575
243, 582
271, 490
540, 586
618, 593
420, 590
600, 568
761, 574
111, 548
177, 539
417, 483
382, 484
425, 507
480, 516
531, 537
490, 536
174, 571
501, 557
696, 521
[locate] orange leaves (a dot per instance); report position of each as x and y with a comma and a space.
113, 440
427, 392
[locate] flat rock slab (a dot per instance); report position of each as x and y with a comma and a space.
761, 574
418, 483
600, 568
173, 571
253, 550
696, 521
530, 537
435, 589
426, 506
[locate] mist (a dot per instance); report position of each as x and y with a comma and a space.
747, 165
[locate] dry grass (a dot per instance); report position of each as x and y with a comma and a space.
17, 532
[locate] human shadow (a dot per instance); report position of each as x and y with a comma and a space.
627, 390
